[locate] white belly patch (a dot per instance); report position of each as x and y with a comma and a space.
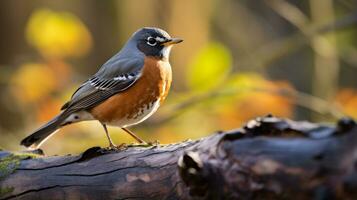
144, 113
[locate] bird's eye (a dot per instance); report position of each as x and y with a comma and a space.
151, 41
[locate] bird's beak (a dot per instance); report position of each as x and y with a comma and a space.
172, 41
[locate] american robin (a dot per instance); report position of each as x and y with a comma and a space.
125, 91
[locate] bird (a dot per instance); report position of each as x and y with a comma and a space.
125, 91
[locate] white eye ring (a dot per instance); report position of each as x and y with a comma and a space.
150, 40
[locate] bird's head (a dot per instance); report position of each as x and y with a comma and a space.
154, 42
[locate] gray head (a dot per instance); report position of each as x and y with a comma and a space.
153, 42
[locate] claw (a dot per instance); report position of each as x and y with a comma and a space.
120, 147
154, 143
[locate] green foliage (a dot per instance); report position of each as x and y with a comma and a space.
10, 163
5, 190
209, 67
346, 38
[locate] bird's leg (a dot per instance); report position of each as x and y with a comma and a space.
111, 144
134, 136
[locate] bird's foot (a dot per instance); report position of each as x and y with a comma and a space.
155, 143
120, 147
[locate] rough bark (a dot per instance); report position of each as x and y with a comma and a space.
269, 158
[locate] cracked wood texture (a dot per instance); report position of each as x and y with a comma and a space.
269, 158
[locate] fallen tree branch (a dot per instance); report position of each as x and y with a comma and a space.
269, 158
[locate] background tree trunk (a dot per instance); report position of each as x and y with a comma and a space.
269, 158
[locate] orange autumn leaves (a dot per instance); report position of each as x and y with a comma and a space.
347, 99
32, 82
244, 95
56, 36
255, 96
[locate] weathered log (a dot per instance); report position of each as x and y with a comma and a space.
269, 158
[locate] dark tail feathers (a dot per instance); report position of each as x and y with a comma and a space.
35, 139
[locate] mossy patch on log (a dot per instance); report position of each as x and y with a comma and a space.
6, 190
10, 163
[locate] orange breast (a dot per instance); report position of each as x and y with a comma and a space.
125, 107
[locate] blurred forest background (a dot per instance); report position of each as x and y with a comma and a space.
240, 59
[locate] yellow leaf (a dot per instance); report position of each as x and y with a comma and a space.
57, 34
209, 67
